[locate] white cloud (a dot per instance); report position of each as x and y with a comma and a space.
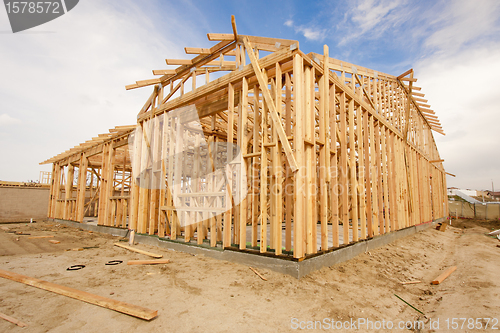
309, 32
312, 33
6, 120
459, 74
463, 90
464, 22
66, 79
372, 18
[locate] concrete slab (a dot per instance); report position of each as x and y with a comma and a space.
297, 269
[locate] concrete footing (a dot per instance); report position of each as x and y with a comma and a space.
297, 269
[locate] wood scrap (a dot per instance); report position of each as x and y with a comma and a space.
444, 275
494, 233
53, 241
12, 320
148, 262
139, 251
255, 271
130, 309
37, 237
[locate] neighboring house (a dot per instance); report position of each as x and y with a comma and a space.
494, 195
471, 193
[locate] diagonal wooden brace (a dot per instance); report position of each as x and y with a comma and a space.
272, 108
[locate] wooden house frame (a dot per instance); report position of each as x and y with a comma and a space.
333, 153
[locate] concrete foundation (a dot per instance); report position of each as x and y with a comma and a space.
295, 268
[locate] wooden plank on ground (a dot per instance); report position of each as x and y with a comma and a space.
130, 309
139, 251
12, 320
53, 241
148, 262
37, 237
444, 275
255, 271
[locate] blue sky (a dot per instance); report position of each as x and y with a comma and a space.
63, 82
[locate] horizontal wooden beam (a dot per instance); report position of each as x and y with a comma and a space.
163, 71
414, 93
219, 37
130, 309
196, 50
405, 73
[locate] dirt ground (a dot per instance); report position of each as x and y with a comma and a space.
196, 293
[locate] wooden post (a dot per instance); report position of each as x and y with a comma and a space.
361, 173
344, 181
375, 180
367, 169
276, 189
298, 142
68, 192
243, 140
324, 158
386, 226
230, 132
353, 174
289, 176
333, 170
82, 186
263, 180
309, 155
253, 166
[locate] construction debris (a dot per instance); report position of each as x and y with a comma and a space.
12, 320
444, 275
132, 310
255, 271
37, 237
494, 233
53, 241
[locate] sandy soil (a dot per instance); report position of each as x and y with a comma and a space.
196, 293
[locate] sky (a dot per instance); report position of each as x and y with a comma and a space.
63, 82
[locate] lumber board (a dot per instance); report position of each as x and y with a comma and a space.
148, 262
298, 142
257, 273
269, 100
243, 143
54, 241
139, 250
344, 180
37, 237
12, 320
444, 275
324, 161
130, 309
